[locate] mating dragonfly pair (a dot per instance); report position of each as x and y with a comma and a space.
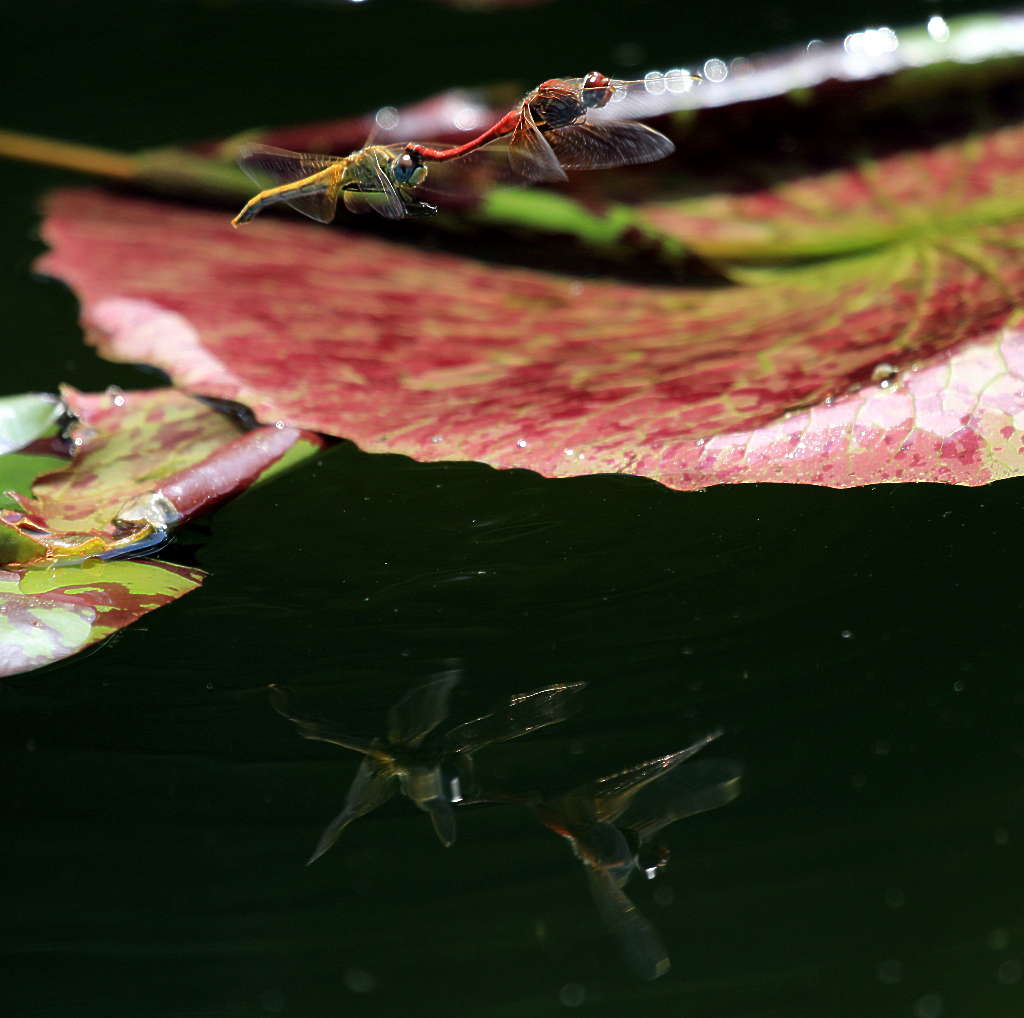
611, 823
563, 124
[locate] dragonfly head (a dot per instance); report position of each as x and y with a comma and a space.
597, 90
408, 169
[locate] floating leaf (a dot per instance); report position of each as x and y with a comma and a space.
47, 615
441, 357
144, 461
25, 418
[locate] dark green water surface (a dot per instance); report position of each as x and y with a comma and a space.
860, 649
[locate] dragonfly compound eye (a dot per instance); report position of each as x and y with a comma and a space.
597, 90
409, 169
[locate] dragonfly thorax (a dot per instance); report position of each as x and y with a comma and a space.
556, 107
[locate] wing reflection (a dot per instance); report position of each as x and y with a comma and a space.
611, 824
413, 757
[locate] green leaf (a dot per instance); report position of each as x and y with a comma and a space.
26, 418
47, 615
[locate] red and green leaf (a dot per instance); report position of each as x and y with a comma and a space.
442, 357
143, 461
47, 615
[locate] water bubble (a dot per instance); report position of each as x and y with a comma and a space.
890, 972
998, 940
467, 118
937, 28
359, 980
654, 82
678, 80
847, 634
521, 442
116, 394
716, 70
572, 994
958, 686
387, 118
929, 1006
814, 44
1009, 972
436, 439
568, 452
894, 897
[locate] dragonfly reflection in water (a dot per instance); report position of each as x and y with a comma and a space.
611, 824
550, 132
412, 758
377, 178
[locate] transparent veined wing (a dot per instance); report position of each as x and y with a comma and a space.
697, 787
306, 182
443, 818
421, 710
524, 713
320, 731
614, 793
368, 184
372, 786
639, 942
650, 96
530, 155
588, 146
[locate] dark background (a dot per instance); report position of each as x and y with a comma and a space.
860, 649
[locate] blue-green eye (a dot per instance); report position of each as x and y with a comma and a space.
406, 169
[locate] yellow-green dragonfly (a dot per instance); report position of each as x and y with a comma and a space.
377, 178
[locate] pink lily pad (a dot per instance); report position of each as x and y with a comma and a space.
904, 364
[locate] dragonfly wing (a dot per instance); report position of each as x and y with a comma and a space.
421, 710
589, 146
271, 168
615, 792
640, 944
373, 190
524, 713
698, 787
319, 731
443, 818
530, 155
370, 788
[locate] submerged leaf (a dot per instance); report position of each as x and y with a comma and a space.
48, 615
908, 359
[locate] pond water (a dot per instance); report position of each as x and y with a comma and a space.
859, 650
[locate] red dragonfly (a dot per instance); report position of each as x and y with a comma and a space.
549, 131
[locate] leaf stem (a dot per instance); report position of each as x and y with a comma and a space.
67, 155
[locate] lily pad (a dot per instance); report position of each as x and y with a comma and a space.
25, 418
144, 461
48, 615
902, 364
